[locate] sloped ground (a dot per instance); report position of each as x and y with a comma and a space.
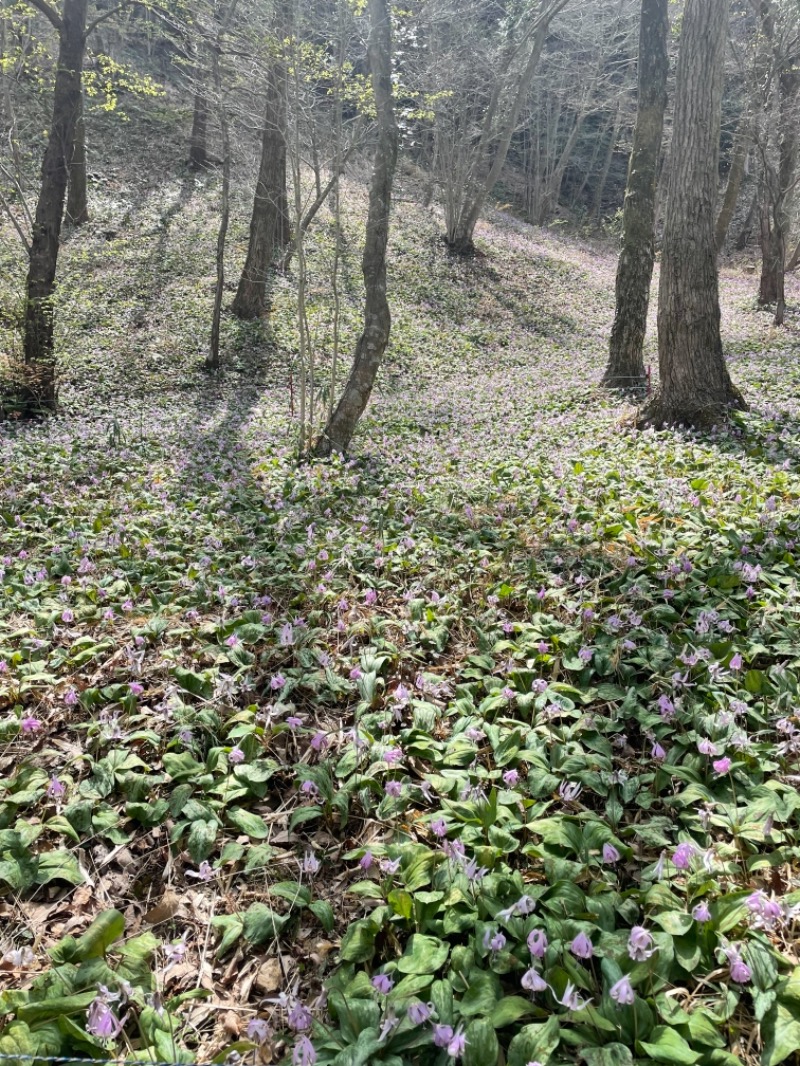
493, 724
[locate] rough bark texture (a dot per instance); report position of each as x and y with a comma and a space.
377, 317
77, 196
269, 224
695, 387
39, 357
741, 146
625, 368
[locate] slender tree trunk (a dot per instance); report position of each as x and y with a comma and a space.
746, 232
77, 195
768, 282
625, 368
741, 146
39, 356
198, 141
495, 141
789, 87
269, 223
377, 317
212, 360
695, 387
8, 103
612, 144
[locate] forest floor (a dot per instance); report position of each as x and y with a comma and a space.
477, 724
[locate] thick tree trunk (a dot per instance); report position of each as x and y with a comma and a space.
77, 196
695, 387
625, 369
39, 356
741, 146
269, 224
198, 142
377, 317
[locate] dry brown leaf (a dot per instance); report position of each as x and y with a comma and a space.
166, 908
270, 976
230, 1023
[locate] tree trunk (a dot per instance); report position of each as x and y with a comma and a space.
39, 357
746, 232
768, 282
494, 142
609, 157
269, 224
695, 387
377, 317
77, 196
741, 146
198, 142
212, 360
625, 368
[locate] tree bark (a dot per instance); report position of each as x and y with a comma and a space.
695, 387
746, 231
377, 317
212, 361
269, 223
77, 195
198, 142
40, 390
741, 146
625, 369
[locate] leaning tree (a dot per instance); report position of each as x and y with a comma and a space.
372, 343
695, 387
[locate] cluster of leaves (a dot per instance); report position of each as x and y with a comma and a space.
502, 715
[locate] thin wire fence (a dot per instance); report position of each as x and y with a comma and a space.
120, 1060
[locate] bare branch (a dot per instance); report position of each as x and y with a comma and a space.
107, 15
49, 12
14, 222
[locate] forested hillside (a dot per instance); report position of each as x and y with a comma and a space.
399, 616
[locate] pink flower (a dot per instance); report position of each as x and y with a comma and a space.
705, 747
382, 983
639, 944
457, 1045
370, 596
236, 755
55, 789
736, 662
101, 1021
610, 854
622, 992
442, 1035
532, 981
511, 778
722, 766
304, 1053
30, 724
701, 913
582, 947
683, 855
537, 943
